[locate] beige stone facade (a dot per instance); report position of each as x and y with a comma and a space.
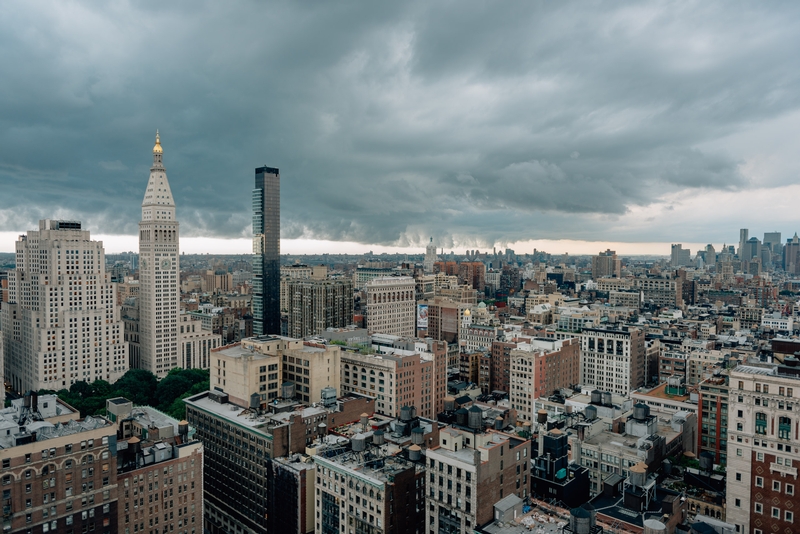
391, 306
159, 268
62, 323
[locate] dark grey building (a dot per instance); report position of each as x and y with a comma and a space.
267, 252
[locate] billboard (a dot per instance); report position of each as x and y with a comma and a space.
422, 316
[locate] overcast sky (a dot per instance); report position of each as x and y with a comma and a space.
479, 124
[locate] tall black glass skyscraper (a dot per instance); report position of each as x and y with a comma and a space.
267, 252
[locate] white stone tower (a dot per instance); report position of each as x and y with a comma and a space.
430, 257
159, 274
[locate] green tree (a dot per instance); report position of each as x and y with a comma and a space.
178, 408
138, 386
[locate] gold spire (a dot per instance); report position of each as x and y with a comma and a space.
157, 149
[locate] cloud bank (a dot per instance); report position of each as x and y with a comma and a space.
472, 122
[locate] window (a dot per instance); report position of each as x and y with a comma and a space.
776, 486
761, 423
776, 512
784, 428
738, 477
788, 516
789, 489
759, 455
758, 508
759, 482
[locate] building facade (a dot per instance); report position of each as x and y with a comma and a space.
469, 472
380, 497
613, 359
159, 273
391, 306
266, 251
196, 343
763, 456
61, 323
316, 305
59, 473
539, 368
606, 264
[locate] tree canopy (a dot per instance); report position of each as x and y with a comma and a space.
141, 387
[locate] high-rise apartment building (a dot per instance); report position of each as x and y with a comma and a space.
473, 274
712, 420
606, 264
316, 305
380, 497
159, 273
470, 471
391, 306
159, 470
59, 473
613, 359
446, 319
62, 323
763, 455
267, 252
539, 368
398, 378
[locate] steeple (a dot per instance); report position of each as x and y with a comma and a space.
157, 152
158, 202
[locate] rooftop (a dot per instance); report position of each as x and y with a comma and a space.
660, 392
231, 412
372, 466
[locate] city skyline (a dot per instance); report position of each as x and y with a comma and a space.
391, 126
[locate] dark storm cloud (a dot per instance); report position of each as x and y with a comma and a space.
477, 123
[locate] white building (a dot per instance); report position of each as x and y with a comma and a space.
779, 324
613, 360
430, 257
763, 455
159, 268
196, 343
62, 323
391, 306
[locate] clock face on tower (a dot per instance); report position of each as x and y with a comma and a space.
165, 264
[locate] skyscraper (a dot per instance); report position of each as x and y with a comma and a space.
679, 256
62, 323
159, 265
267, 252
430, 257
744, 235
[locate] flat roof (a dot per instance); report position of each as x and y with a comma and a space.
660, 392
230, 412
